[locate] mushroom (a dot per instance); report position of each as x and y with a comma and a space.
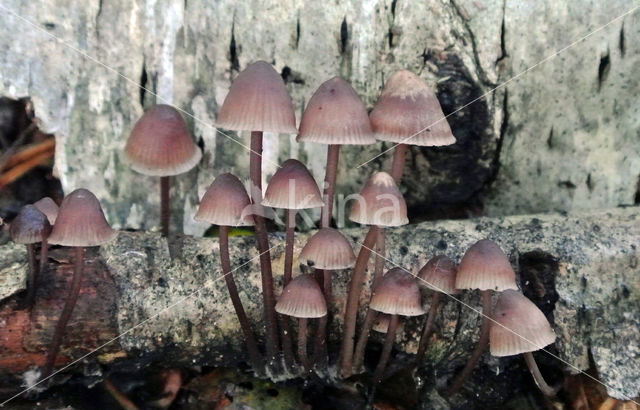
160, 145
380, 205
48, 207
302, 298
485, 267
438, 275
223, 204
29, 227
258, 101
292, 187
326, 250
520, 327
80, 224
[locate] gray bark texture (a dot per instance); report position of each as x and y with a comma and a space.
168, 302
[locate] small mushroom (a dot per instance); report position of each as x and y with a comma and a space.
160, 145
520, 327
48, 207
29, 227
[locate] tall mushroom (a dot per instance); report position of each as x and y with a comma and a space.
438, 275
292, 187
223, 204
48, 207
80, 224
380, 205
520, 327
485, 267
302, 298
258, 101
160, 145
29, 227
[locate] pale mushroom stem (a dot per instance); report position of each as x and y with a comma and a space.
69, 304
164, 205
399, 158
302, 344
351, 309
358, 358
428, 326
320, 355
483, 341
386, 349
287, 343
32, 276
255, 170
537, 376
225, 260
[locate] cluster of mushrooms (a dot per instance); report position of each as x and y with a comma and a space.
407, 112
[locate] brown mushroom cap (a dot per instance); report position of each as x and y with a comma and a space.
224, 203
258, 101
328, 249
484, 266
48, 207
381, 325
81, 222
302, 298
439, 274
29, 226
528, 328
292, 187
160, 144
397, 293
408, 108
380, 203
336, 115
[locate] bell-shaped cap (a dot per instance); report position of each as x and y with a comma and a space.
397, 293
381, 325
519, 326
258, 101
484, 266
328, 249
439, 274
224, 203
336, 115
302, 298
160, 143
408, 112
81, 222
380, 203
292, 187
48, 207
29, 226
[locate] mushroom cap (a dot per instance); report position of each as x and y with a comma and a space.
397, 293
380, 203
81, 222
439, 274
225, 203
381, 325
484, 266
292, 187
302, 298
48, 207
408, 112
336, 115
328, 249
160, 143
528, 328
29, 226
258, 100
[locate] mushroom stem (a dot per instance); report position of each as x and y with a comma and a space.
252, 347
32, 276
358, 358
164, 205
287, 344
69, 304
44, 256
331, 173
351, 309
428, 326
386, 349
255, 170
302, 344
397, 166
483, 341
537, 376
320, 355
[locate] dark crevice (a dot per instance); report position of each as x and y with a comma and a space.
99, 9
503, 43
589, 183
550, 139
393, 8
567, 184
621, 44
143, 83
344, 35
538, 271
391, 32
298, 31
503, 132
290, 76
636, 199
603, 69
233, 51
